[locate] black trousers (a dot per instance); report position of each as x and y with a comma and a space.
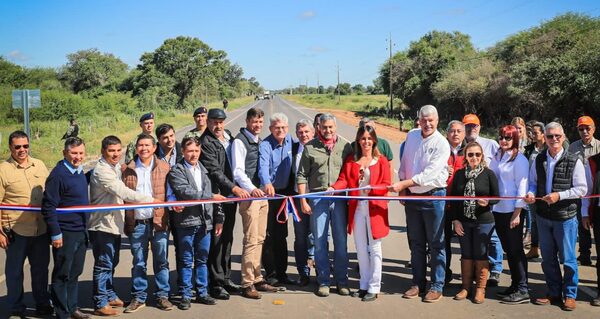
275, 253
512, 243
219, 257
585, 238
448, 232
596, 222
68, 266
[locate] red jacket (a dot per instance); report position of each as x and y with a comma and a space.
378, 209
456, 163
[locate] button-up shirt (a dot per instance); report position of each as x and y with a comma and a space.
72, 168
172, 160
585, 151
275, 162
22, 185
425, 161
512, 180
238, 162
490, 148
144, 186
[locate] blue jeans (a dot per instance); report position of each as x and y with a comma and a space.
194, 245
496, 254
143, 235
325, 212
301, 242
37, 250
557, 244
474, 243
534, 231
105, 247
425, 223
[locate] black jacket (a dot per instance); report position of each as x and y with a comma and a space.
178, 152
486, 184
214, 158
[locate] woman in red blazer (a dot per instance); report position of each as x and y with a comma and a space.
368, 219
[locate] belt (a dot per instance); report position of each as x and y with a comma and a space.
148, 221
427, 193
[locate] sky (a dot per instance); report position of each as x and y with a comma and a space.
281, 43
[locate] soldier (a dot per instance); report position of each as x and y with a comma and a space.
147, 125
200, 116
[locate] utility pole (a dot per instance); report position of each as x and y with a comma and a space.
306, 85
338, 82
390, 80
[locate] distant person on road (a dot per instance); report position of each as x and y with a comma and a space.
216, 158
73, 130
168, 150
147, 126
320, 165
225, 104
67, 186
105, 227
200, 116
368, 219
23, 234
194, 224
148, 227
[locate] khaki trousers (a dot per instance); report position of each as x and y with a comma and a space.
254, 220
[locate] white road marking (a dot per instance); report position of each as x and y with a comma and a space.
241, 113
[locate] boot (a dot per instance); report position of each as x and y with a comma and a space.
482, 269
466, 274
534, 252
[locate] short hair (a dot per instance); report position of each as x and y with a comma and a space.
17, 134
317, 119
163, 129
327, 117
454, 122
254, 112
145, 136
427, 110
110, 140
73, 142
552, 126
278, 117
303, 123
539, 125
188, 140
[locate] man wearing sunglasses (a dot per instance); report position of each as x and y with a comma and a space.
586, 147
23, 234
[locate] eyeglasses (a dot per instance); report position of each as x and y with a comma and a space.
585, 128
18, 147
553, 136
506, 138
469, 155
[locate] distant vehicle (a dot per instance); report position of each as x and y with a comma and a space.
267, 95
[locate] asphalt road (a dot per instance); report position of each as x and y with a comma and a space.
302, 303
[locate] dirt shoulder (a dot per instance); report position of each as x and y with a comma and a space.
388, 132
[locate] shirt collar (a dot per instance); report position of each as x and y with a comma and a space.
189, 166
557, 155
250, 135
139, 164
17, 165
71, 168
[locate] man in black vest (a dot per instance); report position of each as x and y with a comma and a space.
216, 158
558, 177
254, 213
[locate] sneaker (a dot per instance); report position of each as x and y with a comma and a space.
516, 298
595, 302
506, 292
343, 290
433, 296
134, 306
369, 297
323, 291
359, 293
184, 304
164, 304
206, 300
493, 279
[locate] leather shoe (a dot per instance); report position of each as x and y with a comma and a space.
232, 288
548, 300
251, 293
264, 286
433, 296
569, 304
105, 311
304, 281
79, 315
219, 293
412, 293
116, 303
206, 300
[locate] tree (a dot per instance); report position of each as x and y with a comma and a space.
88, 69
358, 89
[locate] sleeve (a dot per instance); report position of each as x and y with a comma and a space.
438, 162
579, 188
386, 150
238, 162
386, 179
585, 202
108, 181
532, 179
264, 163
304, 167
50, 202
521, 170
494, 189
400, 170
208, 158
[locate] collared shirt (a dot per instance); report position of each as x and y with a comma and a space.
425, 161
72, 168
22, 185
298, 157
275, 162
536, 151
512, 180
490, 147
144, 186
172, 160
579, 179
585, 151
196, 172
226, 142
238, 162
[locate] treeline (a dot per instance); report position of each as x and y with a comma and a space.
548, 72
342, 89
180, 74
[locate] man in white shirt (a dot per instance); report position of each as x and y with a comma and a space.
424, 171
254, 213
490, 148
559, 178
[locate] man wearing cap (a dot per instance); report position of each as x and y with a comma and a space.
490, 148
200, 115
585, 148
147, 125
216, 158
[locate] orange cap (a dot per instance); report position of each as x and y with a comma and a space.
585, 120
471, 119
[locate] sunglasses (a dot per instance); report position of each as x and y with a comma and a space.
18, 147
553, 136
477, 154
506, 138
585, 128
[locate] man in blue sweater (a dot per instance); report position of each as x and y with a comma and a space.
67, 186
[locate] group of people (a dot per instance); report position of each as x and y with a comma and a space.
514, 182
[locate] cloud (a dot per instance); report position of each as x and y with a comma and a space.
307, 15
17, 55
